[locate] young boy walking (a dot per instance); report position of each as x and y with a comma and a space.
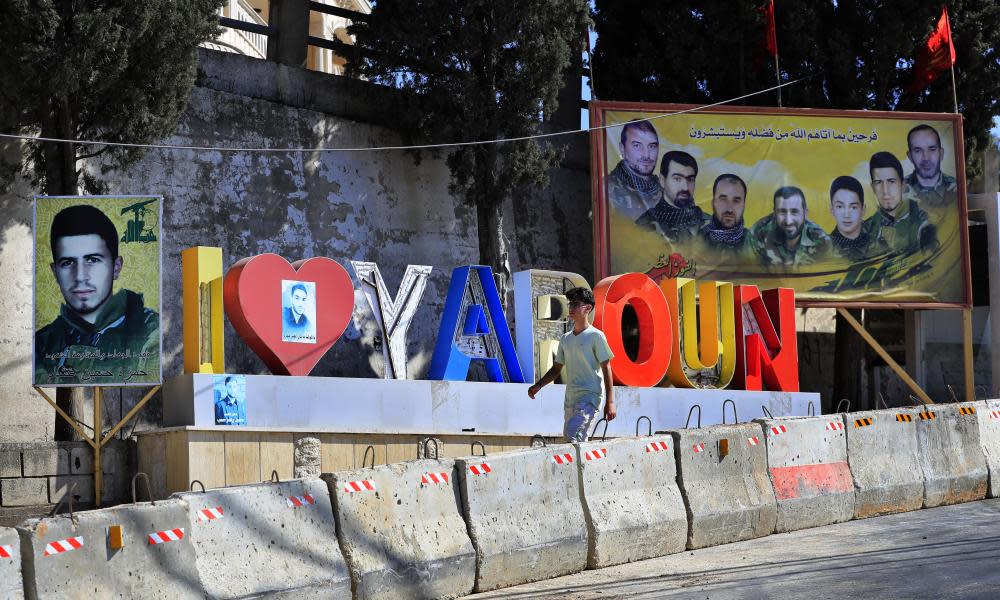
585, 354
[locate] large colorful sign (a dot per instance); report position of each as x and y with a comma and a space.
844, 207
97, 291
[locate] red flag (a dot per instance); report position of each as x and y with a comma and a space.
771, 40
937, 56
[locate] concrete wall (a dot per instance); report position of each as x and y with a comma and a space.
387, 207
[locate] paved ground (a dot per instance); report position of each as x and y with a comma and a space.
949, 552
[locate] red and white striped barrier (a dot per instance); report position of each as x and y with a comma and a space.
595, 454
698, 448
656, 446
6, 551
562, 459
365, 485
438, 478
834, 426
162, 537
995, 414
210, 514
753, 440
480, 469
299, 501
73, 543
778, 430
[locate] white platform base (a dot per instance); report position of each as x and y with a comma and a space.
348, 405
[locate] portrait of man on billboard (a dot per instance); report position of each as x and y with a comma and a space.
298, 312
931, 186
100, 335
230, 399
725, 231
676, 217
633, 187
847, 205
787, 237
899, 224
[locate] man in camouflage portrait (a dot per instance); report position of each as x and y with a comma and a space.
787, 237
928, 184
633, 188
900, 224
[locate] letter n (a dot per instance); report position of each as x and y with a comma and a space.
767, 354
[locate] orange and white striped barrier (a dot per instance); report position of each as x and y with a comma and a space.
595, 454
365, 485
58, 547
210, 514
438, 478
299, 501
480, 469
169, 535
562, 459
657, 446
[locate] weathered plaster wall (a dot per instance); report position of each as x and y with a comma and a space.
386, 207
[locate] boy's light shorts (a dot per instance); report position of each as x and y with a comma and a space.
579, 419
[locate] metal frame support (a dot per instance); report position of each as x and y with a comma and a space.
98, 442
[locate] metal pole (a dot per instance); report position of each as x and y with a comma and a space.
777, 72
954, 93
968, 359
98, 426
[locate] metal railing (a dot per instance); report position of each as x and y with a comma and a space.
248, 33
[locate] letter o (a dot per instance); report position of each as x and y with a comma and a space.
611, 295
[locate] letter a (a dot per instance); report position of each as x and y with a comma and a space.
474, 327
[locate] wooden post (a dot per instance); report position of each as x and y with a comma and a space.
969, 359
900, 371
98, 426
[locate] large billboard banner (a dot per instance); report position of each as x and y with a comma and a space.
845, 207
97, 291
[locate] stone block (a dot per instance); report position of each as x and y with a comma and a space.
10, 462
24, 491
42, 461
113, 459
83, 492
81, 458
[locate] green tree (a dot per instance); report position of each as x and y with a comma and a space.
857, 54
477, 70
110, 70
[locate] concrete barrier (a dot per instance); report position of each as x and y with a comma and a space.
722, 472
989, 437
401, 530
885, 462
266, 538
950, 453
11, 585
807, 464
524, 514
633, 507
67, 557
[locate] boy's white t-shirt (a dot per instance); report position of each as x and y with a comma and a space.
581, 356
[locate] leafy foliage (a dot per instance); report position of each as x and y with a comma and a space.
477, 70
858, 54
113, 70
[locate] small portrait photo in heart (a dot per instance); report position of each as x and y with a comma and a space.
298, 311
230, 399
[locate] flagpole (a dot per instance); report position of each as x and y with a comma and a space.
954, 93
777, 71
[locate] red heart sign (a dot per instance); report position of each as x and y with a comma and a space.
289, 314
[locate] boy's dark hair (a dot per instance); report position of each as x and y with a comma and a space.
885, 160
83, 219
846, 182
680, 157
580, 294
